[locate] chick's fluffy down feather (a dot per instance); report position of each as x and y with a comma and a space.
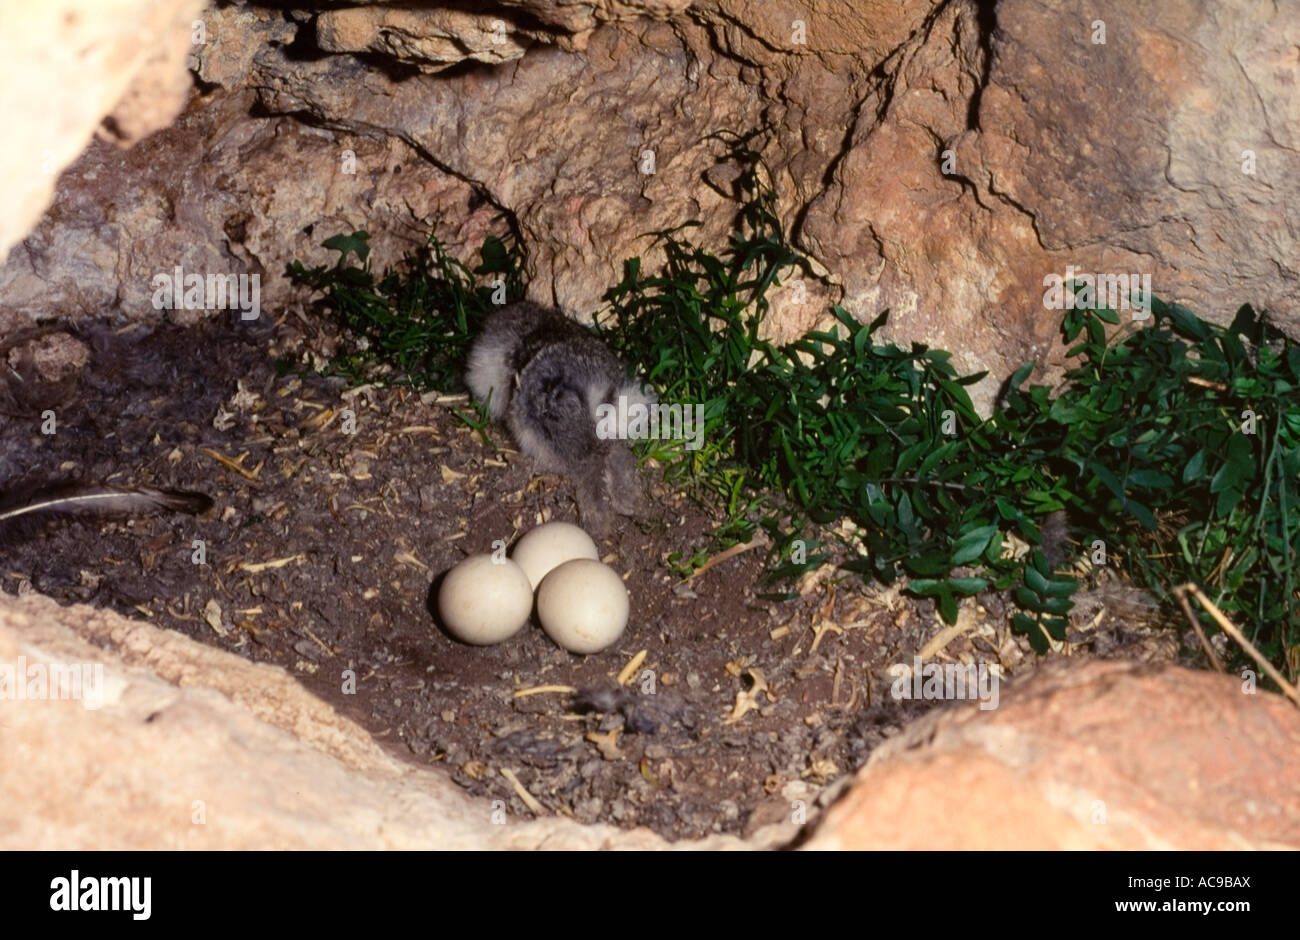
546, 376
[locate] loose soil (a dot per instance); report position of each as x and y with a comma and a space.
323, 552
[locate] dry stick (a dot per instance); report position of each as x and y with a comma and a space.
945, 636
529, 800
1230, 628
1196, 625
544, 690
632, 666
728, 553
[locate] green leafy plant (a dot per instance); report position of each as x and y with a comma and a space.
1178, 443
1142, 444
411, 325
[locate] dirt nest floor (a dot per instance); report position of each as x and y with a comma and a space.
323, 552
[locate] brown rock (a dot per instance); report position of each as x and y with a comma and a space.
41, 368
578, 16
210, 195
1107, 756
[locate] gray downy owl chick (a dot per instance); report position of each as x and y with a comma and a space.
546, 376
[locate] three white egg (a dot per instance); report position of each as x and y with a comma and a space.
582, 604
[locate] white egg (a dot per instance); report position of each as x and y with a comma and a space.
583, 605
549, 546
483, 601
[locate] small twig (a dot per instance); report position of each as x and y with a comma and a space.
529, 800
820, 631
1196, 625
632, 666
544, 689
758, 540
257, 567
1230, 628
439, 398
945, 636
408, 558
235, 464
1207, 383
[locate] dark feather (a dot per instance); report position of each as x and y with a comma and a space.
104, 500
641, 713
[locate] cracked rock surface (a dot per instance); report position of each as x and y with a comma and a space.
936, 157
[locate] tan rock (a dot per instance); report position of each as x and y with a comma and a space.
192, 747
68, 64
1107, 756
430, 38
